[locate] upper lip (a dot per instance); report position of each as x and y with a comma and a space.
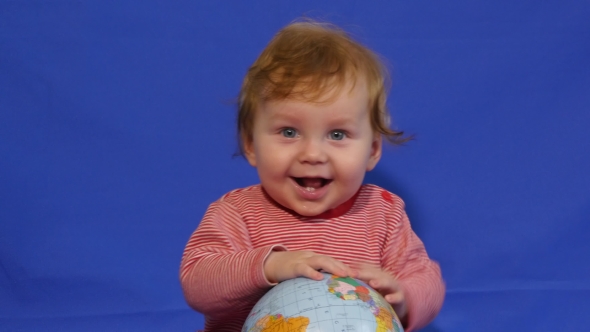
324, 181
310, 177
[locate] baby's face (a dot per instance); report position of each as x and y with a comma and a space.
313, 157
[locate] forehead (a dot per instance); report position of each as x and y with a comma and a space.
348, 101
324, 91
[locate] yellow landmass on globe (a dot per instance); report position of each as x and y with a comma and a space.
384, 321
278, 323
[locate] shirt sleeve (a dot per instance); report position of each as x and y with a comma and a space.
420, 277
221, 273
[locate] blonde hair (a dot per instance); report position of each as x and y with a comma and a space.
307, 60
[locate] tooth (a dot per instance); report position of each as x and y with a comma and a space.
310, 189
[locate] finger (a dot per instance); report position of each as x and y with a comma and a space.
367, 274
386, 285
381, 285
375, 283
364, 266
344, 270
337, 270
305, 270
394, 298
331, 265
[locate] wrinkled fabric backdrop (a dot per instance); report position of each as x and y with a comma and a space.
117, 131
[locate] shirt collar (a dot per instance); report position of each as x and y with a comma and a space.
336, 212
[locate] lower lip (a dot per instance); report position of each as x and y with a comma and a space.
311, 195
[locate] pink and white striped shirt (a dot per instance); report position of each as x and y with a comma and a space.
222, 266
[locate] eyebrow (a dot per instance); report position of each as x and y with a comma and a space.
342, 120
292, 117
282, 115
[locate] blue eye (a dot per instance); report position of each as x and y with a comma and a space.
289, 132
337, 135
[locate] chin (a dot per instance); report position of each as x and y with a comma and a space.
310, 212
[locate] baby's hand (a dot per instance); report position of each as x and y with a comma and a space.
283, 265
386, 285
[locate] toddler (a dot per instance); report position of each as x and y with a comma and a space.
312, 118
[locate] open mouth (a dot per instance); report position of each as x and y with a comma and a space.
311, 184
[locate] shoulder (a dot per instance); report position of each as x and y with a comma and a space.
250, 192
236, 204
243, 198
374, 193
381, 203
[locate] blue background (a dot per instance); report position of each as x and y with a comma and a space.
117, 131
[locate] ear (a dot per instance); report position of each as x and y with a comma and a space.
376, 148
249, 152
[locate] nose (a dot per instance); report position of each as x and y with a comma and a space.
312, 152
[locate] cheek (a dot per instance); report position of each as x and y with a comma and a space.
353, 166
272, 160
351, 169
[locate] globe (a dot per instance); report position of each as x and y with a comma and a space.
334, 304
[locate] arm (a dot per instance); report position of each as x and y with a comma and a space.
220, 271
420, 278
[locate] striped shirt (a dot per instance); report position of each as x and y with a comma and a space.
222, 266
